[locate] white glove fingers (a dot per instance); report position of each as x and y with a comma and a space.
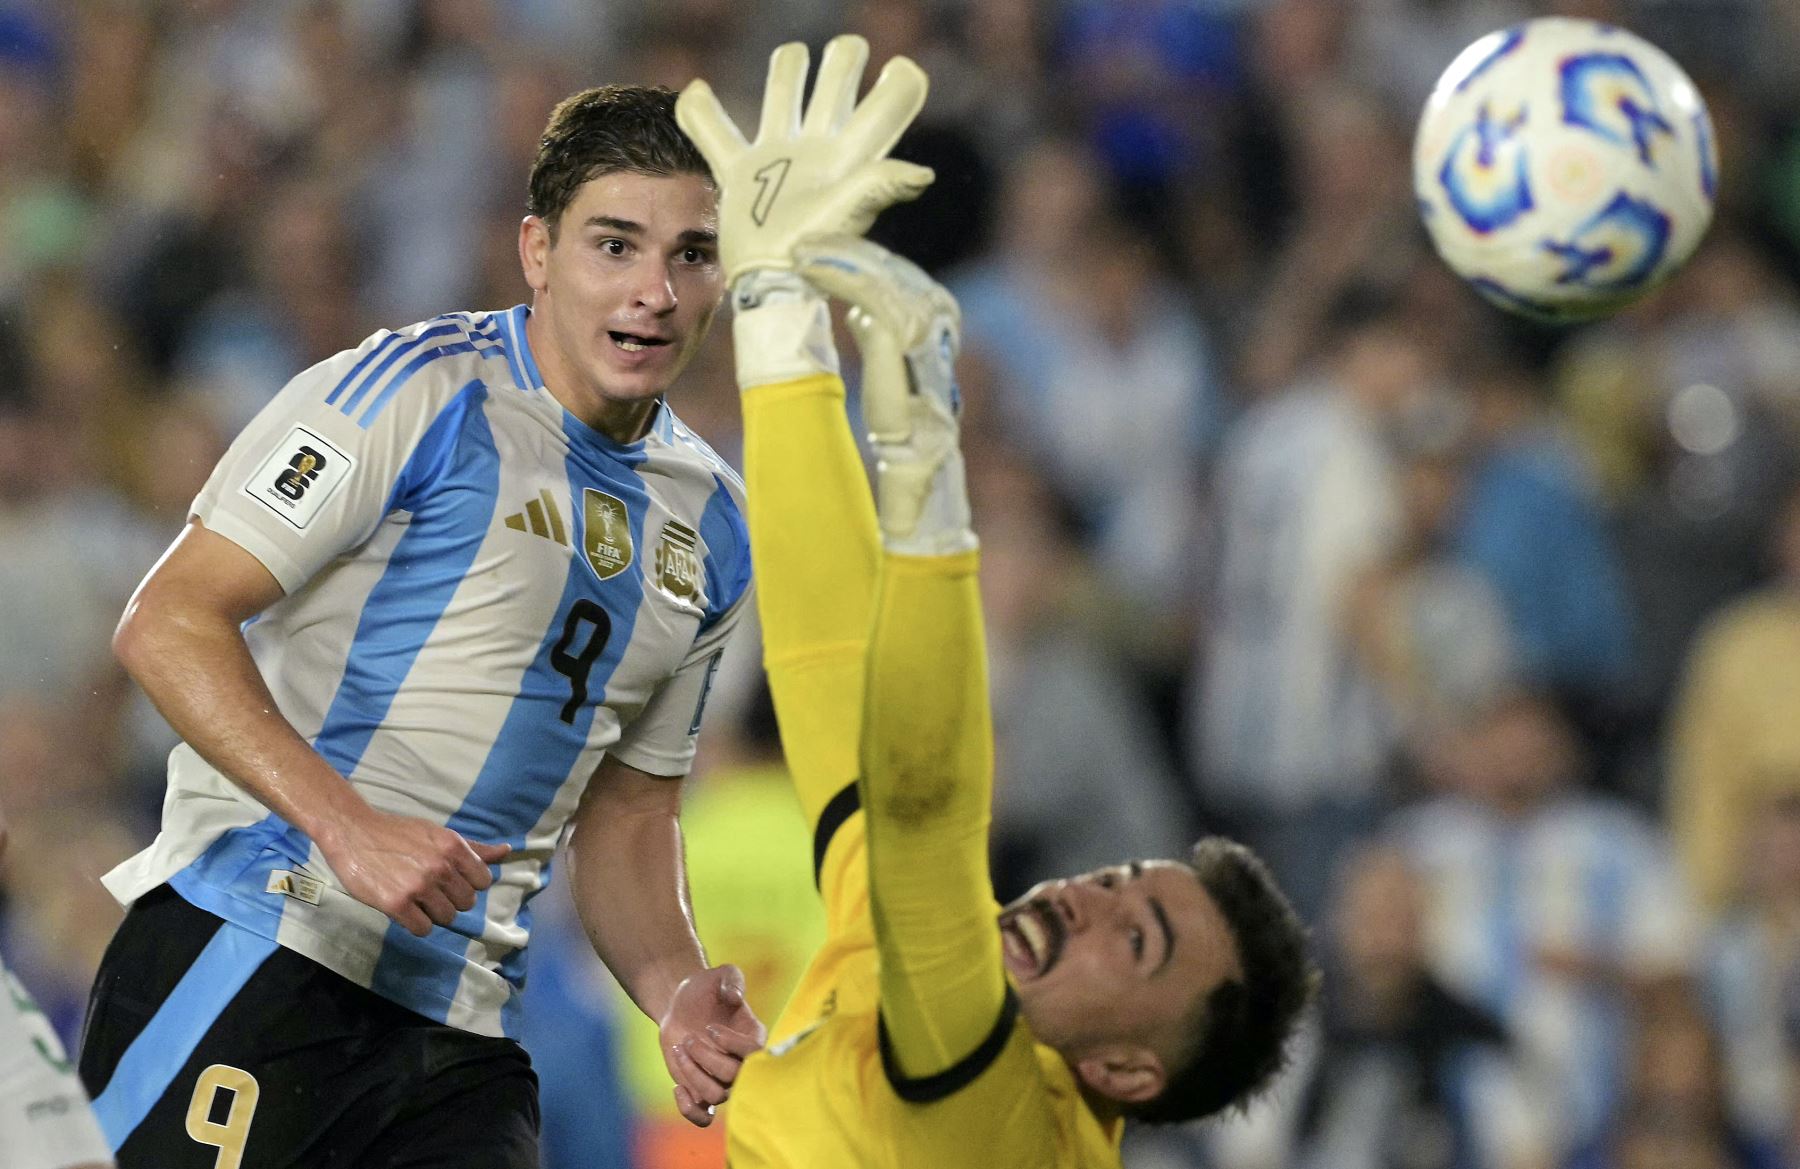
877, 124
879, 187
834, 93
708, 126
783, 92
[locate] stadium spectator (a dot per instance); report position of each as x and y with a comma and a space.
1395, 1068
1736, 742
1531, 523
1062, 698
1751, 983
1292, 739
1674, 1114
1546, 904
1072, 300
1429, 628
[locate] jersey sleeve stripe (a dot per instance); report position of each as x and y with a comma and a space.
412, 346
519, 346
386, 343
417, 363
959, 1075
497, 326
838, 810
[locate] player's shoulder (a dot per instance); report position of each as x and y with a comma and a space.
418, 368
681, 445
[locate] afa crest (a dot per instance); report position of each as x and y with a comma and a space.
678, 562
607, 533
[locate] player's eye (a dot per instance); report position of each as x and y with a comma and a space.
1137, 943
613, 246
1105, 880
695, 256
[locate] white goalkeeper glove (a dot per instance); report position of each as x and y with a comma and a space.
824, 171
909, 331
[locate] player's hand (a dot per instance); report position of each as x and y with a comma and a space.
416, 872
707, 1033
908, 329
823, 172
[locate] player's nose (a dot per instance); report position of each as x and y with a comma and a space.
655, 290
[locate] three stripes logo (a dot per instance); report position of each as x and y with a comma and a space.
541, 517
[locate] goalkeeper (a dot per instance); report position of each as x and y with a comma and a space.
932, 1027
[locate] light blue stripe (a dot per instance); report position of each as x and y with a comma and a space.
150, 1064
230, 878
385, 344
451, 485
727, 553
414, 366
522, 346
503, 323
423, 340
1505, 920
534, 751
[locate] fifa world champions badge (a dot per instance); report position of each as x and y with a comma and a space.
607, 535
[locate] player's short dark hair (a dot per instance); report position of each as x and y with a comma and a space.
1240, 1033
602, 131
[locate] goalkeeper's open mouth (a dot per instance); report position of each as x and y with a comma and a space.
1031, 938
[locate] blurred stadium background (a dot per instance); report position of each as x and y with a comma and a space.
1487, 635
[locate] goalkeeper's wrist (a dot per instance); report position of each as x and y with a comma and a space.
781, 329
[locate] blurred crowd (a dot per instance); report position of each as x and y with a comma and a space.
1486, 635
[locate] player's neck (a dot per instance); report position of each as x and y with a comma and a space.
622, 420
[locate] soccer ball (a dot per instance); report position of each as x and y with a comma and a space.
1564, 168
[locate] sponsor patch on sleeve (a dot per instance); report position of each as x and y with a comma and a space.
299, 476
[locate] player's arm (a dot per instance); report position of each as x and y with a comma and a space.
181, 640
629, 882
811, 171
927, 751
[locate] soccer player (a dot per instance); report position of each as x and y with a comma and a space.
933, 1028
45, 1122
452, 600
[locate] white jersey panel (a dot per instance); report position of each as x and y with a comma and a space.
485, 597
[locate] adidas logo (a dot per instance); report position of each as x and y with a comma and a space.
541, 517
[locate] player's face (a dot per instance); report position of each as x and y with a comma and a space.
1112, 965
626, 289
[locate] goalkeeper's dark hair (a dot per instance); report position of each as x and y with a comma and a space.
1239, 1035
601, 131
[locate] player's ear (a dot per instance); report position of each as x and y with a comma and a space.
534, 251
1129, 1073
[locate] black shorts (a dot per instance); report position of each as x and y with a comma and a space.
208, 1047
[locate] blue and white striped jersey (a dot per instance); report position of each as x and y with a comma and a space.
484, 598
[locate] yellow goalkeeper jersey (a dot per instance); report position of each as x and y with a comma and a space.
821, 1095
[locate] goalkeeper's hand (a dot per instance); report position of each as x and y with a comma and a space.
909, 330
826, 172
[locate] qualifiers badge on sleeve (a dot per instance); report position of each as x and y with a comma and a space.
296, 480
